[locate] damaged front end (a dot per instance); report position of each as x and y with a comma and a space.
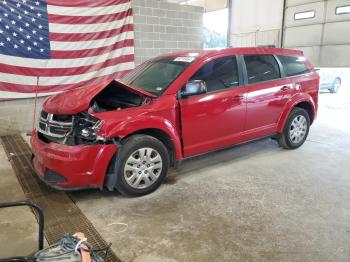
78, 129
82, 128
71, 147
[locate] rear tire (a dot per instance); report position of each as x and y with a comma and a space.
143, 165
295, 130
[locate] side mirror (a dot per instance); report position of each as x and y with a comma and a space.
194, 87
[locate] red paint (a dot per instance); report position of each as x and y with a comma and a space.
77, 100
223, 114
84, 166
162, 114
195, 125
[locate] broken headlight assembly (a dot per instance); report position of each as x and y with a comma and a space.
86, 128
78, 129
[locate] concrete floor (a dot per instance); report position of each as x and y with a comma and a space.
18, 226
255, 202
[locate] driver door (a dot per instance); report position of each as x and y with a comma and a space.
215, 119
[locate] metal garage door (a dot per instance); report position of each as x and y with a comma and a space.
321, 29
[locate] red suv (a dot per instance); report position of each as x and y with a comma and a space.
126, 134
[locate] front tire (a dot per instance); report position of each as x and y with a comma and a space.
143, 165
295, 130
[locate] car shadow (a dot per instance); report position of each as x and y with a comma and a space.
224, 156
186, 167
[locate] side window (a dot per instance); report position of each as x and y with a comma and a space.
218, 74
293, 65
261, 68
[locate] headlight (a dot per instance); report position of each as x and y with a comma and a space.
87, 127
90, 133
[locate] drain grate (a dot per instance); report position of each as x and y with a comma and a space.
61, 213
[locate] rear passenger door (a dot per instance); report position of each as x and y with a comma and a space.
267, 94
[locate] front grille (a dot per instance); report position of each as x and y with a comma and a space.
57, 126
44, 114
63, 118
42, 126
59, 130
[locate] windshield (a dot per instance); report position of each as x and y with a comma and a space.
156, 76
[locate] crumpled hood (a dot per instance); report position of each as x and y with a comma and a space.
77, 100
71, 102
118, 118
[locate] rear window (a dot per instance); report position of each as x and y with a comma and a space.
261, 68
293, 65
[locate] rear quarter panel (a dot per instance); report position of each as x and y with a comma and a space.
308, 85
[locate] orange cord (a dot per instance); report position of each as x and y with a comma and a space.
85, 256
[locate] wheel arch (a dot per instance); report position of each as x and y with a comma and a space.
307, 104
308, 108
156, 126
162, 136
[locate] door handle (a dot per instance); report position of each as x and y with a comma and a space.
297, 86
238, 96
285, 88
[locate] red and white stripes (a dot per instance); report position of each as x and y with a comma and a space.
90, 43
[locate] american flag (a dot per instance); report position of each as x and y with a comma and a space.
67, 44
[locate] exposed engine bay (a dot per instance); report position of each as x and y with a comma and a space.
115, 98
82, 128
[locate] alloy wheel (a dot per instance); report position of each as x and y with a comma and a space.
297, 129
143, 167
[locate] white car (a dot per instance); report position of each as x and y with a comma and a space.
330, 79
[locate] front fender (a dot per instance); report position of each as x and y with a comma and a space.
143, 122
293, 101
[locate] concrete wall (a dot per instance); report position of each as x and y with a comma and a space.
160, 27
209, 5
256, 22
17, 115
325, 38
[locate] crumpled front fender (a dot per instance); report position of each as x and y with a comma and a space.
143, 122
